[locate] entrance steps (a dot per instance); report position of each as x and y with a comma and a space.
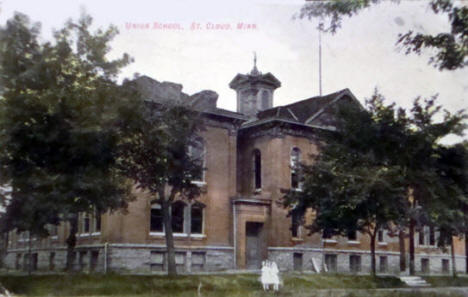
414, 281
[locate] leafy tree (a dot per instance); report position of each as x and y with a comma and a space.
365, 171
156, 156
353, 185
59, 106
451, 48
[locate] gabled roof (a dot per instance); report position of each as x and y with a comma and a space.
305, 111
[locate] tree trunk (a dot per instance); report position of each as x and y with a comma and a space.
171, 264
29, 255
411, 247
452, 253
71, 242
372, 248
466, 252
401, 237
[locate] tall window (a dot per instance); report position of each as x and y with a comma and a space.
197, 154
196, 218
257, 169
380, 235
156, 224
86, 224
178, 209
295, 224
294, 163
432, 240
97, 221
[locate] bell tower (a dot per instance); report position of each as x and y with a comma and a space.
254, 90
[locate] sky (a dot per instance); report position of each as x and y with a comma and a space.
197, 43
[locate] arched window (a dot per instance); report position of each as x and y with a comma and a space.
265, 100
178, 214
196, 218
156, 224
197, 154
295, 168
257, 169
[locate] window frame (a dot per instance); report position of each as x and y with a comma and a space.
294, 165
191, 147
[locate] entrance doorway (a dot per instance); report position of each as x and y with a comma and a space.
253, 245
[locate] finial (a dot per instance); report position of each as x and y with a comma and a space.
255, 70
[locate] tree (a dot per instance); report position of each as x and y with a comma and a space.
383, 168
156, 156
353, 184
59, 106
450, 48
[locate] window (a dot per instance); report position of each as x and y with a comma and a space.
330, 262
327, 234
94, 260
197, 154
185, 218
196, 218
295, 166
383, 264
97, 221
352, 235
425, 265
421, 237
85, 223
295, 223
380, 236
257, 169
198, 261
177, 212
156, 223
52, 261
265, 100
427, 236
431, 236
445, 265
354, 263
297, 261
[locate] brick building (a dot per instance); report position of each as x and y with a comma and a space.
249, 157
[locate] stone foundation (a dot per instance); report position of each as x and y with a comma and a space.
301, 259
143, 258
123, 258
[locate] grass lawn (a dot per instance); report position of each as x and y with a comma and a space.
239, 285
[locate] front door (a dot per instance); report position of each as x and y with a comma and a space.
253, 244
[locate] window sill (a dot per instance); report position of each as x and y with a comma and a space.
382, 243
427, 246
199, 183
329, 241
178, 235
297, 189
297, 239
354, 242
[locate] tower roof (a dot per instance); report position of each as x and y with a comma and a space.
245, 79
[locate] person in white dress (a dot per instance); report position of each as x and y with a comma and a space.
270, 275
265, 276
274, 275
